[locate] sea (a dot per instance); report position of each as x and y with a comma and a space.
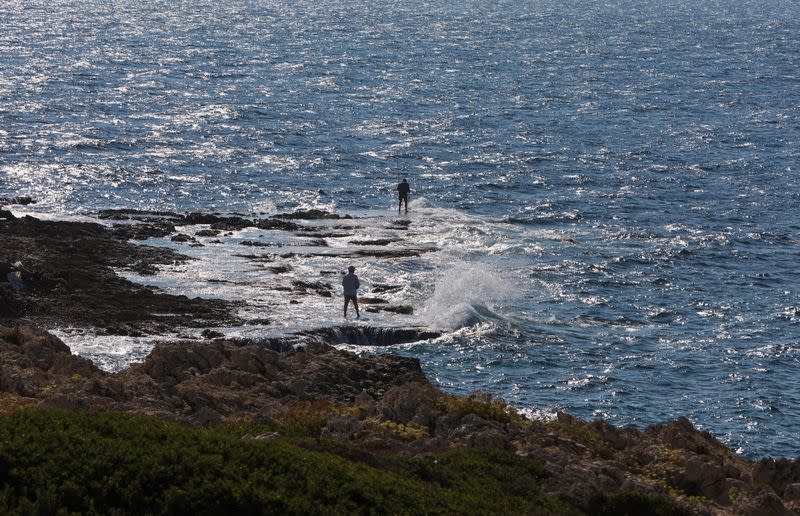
612, 184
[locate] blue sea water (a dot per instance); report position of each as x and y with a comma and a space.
613, 183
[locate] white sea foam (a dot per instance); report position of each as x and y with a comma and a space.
464, 294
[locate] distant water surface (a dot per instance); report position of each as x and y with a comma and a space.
613, 184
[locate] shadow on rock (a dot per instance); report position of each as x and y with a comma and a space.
371, 335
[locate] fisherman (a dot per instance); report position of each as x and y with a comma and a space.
350, 285
12, 274
403, 189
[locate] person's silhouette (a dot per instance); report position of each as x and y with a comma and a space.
403, 189
350, 286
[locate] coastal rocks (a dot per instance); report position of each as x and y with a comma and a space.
377, 241
782, 475
197, 382
10, 304
320, 288
163, 220
396, 309
413, 403
21, 201
70, 278
142, 231
312, 215
32, 361
371, 336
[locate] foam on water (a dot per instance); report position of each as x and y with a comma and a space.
462, 295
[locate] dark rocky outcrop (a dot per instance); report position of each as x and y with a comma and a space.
196, 381
216, 221
376, 241
23, 200
371, 335
312, 215
395, 309
68, 269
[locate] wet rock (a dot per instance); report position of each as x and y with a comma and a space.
279, 269
390, 253
133, 214
142, 231
380, 288
372, 300
322, 234
7, 215
400, 224
371, 336
22, 200
378, 241
73, 282
278, 224
208, 233
182, 237
211, 334
395, 309
204, 218
312, 215
253, 243
323, 289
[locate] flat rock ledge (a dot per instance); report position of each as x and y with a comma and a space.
68, 272
385, 403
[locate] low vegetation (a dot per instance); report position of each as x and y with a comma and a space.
58, 462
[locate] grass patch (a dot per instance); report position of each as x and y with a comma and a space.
59, 462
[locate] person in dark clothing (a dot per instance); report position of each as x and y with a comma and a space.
403, 189
350, 285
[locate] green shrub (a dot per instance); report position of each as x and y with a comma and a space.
58, 462
409, 432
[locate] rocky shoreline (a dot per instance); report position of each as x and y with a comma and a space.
380, 404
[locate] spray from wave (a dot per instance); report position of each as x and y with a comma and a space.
465, 295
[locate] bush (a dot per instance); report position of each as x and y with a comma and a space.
58, 462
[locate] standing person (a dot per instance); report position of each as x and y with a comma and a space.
403, 189
350, 285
